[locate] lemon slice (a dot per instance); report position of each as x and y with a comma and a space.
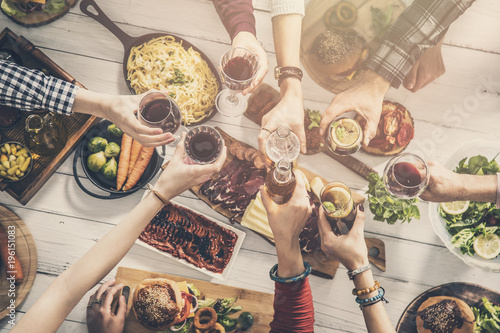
345, 132
487, 247
340, 198
455, 207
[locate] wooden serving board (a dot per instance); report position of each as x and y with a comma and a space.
26, 253
39, 18
259, 304
76, 124
467, 292
321, 265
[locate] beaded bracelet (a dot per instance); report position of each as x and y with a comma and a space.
275, 277
360, 292
372, 300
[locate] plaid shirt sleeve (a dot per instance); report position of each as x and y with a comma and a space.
29, 89
419, 27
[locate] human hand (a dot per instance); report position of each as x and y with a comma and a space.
288, 111
121, 111
426, 69
179, 177
349, 249
248, 41
100, 319
444, 184
288, 220
365, 97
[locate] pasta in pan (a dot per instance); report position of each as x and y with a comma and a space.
164, 64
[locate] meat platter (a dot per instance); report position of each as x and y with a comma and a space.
232, 190
186, 236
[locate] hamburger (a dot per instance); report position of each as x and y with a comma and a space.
443, 314
157, 303
337, 52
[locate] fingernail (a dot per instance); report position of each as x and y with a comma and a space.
361, 208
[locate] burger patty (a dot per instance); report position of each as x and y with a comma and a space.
156, 305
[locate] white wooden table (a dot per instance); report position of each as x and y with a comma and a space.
66, 222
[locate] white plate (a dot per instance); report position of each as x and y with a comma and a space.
221, 276
478, 147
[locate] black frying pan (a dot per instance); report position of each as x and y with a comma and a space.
129, 42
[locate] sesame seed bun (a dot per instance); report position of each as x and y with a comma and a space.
442, 313
157, 303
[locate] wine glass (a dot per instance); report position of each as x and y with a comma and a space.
406, 176
203, 145
238, 67
160, 111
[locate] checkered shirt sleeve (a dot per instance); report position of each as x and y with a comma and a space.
418, 28
29, 89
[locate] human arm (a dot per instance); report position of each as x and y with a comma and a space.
287, 25
293, 306
446, 185
29, 89
50, 310
352, 252
239, 21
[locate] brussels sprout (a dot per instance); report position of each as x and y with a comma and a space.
245, 321
96, 161
112, 150
114, 130
109, 169
228, 323
97, 144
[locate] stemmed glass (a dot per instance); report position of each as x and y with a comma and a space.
238, 67
160, 111
406, 176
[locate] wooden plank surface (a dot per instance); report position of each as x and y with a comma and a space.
259, 304
65, 222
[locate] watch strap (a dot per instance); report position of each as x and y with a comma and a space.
281, 73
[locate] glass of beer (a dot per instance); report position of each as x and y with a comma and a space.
338, 205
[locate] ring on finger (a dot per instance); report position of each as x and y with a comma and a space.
95, 301
265, 129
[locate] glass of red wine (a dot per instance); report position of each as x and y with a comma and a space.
406, 176
238, 67
160, 111
203, 145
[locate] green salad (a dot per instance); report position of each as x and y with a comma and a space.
487, 317
480, 219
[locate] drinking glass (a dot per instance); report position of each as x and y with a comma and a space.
344, 136
160, 111
406, 176
238, 67
338, 205
203, 145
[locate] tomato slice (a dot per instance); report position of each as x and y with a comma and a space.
187, 307
405, 134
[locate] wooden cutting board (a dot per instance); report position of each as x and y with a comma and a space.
259, 304
467, 292
26, 253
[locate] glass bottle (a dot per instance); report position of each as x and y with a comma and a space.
283, 144
280, 182
45, 135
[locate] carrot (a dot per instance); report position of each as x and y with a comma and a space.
9, 258
134, 155
140, 166
121, 173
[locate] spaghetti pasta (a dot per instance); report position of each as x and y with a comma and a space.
164, 64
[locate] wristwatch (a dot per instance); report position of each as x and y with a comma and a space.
281, 73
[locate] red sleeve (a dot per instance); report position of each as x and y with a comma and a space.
293, 308
236, 15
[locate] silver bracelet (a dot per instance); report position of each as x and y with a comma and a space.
357, 271
498, 191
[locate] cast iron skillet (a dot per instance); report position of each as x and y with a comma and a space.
129, 42
98, 179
